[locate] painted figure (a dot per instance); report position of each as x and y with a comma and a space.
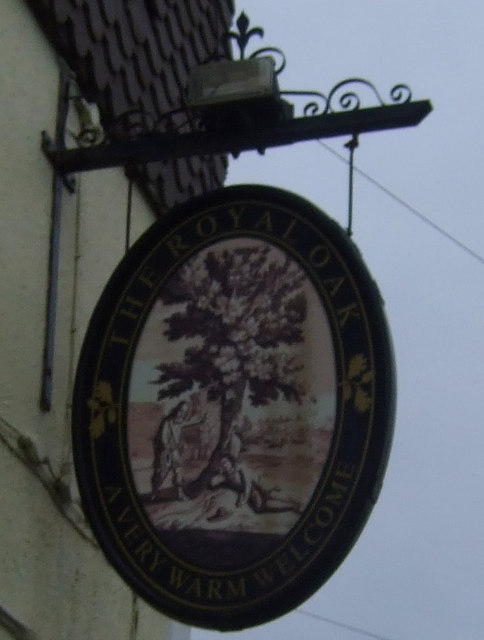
249, 491
166, 448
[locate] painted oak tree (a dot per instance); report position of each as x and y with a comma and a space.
241, 312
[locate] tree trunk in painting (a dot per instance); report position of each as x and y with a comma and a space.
229, 412
240, 311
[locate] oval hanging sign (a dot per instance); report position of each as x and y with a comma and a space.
233, 407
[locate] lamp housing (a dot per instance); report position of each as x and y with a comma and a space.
229, 81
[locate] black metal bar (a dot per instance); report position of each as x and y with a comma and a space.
351, 145
53, 269
162, 146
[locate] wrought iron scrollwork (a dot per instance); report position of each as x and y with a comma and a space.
400, 94
314, 107
350, 95
139, 122
348, 98
243, 36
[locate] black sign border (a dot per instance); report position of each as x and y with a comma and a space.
118, 520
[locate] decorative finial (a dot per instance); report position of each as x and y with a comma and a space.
244, 34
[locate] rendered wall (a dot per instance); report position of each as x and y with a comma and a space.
54, 580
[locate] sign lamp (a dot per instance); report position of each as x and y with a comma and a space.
230, 81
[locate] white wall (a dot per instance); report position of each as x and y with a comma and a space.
53, 578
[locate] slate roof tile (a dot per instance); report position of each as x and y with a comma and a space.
142, 67
166, 77
158, 97
163, 38
174, 33
194, 163
125, 39
180, 76
198, 46
204, 180
98, 68
158, 8
130, 54
139, 20
116, 99
182, 18
131, 84
187, 59
153, 56
227, 10
114, 58
94, 20
82, 40
180, 169
170, 193
154, 8
205, 37
111, 11
194, 12
212, 22
61, 10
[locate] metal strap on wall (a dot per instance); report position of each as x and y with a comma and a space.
59, 181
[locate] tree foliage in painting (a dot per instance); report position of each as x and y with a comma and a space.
241, 312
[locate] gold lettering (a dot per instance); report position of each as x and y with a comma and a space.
133, 310
146, 551
264, 577
178, 577
346, 312
284, 564
319, 256
287, 232
208, 231
337, 497
234, 590
265, 221
333, 284
132, 533
308, 538
176, 246
118, 340
112, 493
297, 554
149, 277
157, 560
214, 587
236, 215
329, 517
195, 588
124, 515
345, 471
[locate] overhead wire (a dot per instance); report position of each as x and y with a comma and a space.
358, 630
406, 205
342, 625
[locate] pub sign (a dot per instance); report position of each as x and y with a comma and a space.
233, 407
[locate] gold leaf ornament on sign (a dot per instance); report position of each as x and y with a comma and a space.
103, 409
355, 385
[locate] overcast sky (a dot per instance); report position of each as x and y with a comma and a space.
417, 571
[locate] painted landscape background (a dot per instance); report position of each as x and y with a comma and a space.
284, 452
279, 444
